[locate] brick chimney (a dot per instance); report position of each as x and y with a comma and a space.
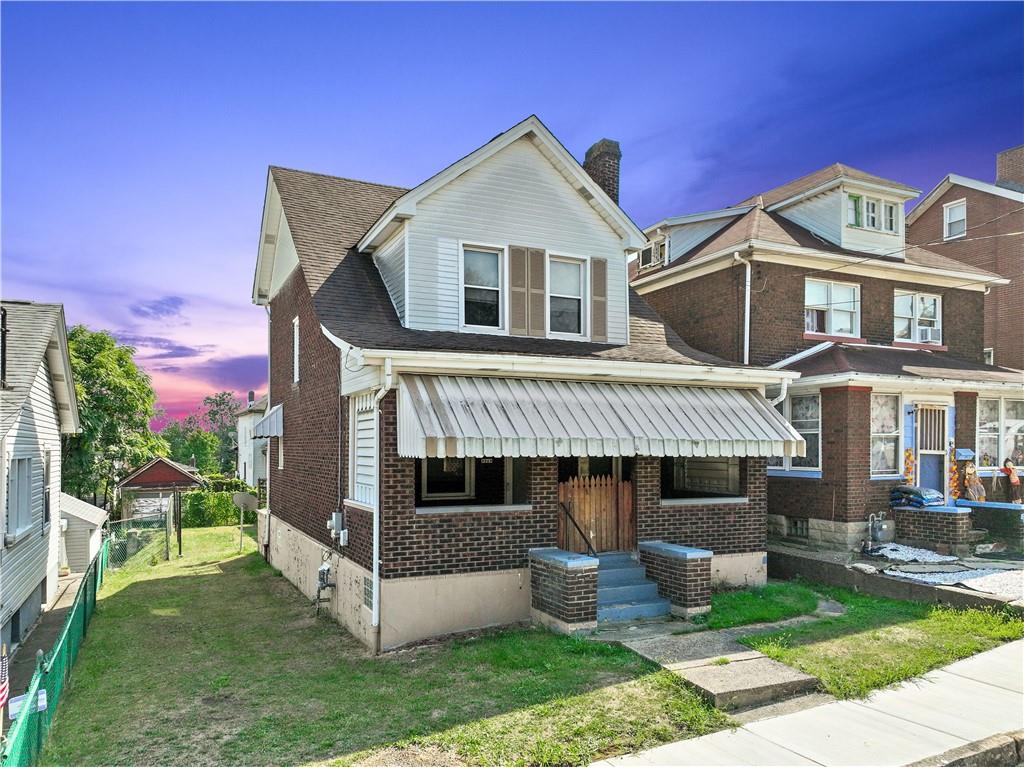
602, 164
1010, 169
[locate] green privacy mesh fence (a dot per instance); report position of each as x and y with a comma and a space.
138, 540
26, 738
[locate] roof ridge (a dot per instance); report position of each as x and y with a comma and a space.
337, 178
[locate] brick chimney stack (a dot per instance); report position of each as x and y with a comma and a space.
1010, 169
602, 164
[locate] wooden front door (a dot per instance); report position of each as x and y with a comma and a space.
603, 509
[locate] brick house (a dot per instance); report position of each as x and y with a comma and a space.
469, 409
815, 277
980, 223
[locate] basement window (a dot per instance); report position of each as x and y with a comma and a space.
797, 527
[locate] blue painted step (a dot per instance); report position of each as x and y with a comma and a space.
633, 592
631, 611
623, 591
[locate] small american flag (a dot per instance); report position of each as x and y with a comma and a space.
5, 677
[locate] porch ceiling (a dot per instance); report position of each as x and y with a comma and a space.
462, 416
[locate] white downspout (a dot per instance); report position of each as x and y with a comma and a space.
381, 393
782, 393
746, 305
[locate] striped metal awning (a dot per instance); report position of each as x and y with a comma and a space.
460, 416
270, 425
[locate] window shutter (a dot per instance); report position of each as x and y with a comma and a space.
598, 299
538, 299
519, 289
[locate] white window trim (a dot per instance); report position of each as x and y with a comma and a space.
1000, 435
989, 355
584, 262
708, 500
280, 453
914, 320
899, 436
787, 412
503, 286
945, 219
15, 528
886, 206
877, 226
362, 402
828, 306
295, 350
658, 250
469, 486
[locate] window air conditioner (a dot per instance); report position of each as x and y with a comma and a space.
929, 335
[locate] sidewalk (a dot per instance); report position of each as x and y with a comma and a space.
950, 707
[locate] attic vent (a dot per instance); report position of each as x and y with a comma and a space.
270, 239
585, 193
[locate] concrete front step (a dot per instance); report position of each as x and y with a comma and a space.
742, 684
631, 611
614, 560
977, 534
632, 592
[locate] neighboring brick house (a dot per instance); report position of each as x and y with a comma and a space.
37, 406
461, 383
815, 277
981, 224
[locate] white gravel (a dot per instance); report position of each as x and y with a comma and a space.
1005, 583
897, 552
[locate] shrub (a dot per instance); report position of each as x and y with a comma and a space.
220, 483
208, 508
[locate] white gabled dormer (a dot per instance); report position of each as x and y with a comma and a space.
849, 208
514, 239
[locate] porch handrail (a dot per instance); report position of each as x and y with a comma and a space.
590, 548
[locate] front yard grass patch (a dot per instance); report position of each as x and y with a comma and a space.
215, 660
879, 641
771, 602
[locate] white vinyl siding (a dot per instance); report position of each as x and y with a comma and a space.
390, 260
33, 556
822, 214
514, 198
285, 257
872, 224
684, 238
363, 450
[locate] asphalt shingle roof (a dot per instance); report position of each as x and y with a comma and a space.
817, 178
76, 507
912, 363
328, 215
30, 326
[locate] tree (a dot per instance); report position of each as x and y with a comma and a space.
116, 403
220, 416
187, 439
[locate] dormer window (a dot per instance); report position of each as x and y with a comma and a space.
653, 255
954, 217
853, 209
482, 287
871, 214
918, 318
889, 217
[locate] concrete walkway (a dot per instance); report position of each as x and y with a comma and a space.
43, 636
950, 707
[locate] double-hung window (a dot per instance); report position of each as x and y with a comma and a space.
871, 220
566, 296
1000, 432
482, 288
890, 217
19, 495
853, 209
831, 307
803, 411
447, 478
954, 219
885, 434
917, 317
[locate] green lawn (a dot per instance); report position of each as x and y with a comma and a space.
882, 641
772, 602
215, 660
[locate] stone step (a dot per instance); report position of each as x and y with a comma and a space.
620, 576
631, 611
977, 534
632, 592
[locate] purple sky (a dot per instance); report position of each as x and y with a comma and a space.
135, 138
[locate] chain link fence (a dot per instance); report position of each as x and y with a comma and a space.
139, 541
32, 727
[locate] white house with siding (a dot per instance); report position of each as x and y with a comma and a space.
83, 532
37, 406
